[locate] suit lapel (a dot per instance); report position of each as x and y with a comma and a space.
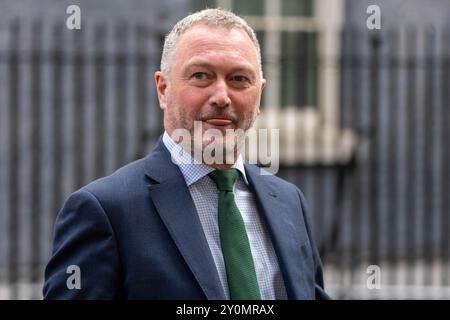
283, 223
176, 208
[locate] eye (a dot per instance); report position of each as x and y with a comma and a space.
199, 76
240, 78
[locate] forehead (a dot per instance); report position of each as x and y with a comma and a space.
204, 40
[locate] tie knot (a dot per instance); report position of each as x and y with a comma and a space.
224, 179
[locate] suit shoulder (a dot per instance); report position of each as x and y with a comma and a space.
125, 178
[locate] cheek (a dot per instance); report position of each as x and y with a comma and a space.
247, 102
191, 99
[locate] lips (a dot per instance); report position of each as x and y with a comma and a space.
219, 122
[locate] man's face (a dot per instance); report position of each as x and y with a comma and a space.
214, 79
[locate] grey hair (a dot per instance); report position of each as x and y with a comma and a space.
210, 17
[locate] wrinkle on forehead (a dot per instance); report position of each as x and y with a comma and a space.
203, 40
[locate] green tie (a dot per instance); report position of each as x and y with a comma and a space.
236, 251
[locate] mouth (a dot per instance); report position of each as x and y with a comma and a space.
219, 122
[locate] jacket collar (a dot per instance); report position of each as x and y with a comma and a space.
174, 204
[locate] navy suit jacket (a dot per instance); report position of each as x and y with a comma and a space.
136, 235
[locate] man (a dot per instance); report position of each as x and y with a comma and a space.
166, 228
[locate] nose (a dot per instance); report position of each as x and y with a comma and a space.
219, 95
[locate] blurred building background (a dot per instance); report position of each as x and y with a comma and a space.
363, 118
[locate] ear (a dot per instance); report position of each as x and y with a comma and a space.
161, 88
263, 85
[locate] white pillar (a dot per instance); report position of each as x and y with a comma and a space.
329, 16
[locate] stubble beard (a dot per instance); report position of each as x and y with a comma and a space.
231, 144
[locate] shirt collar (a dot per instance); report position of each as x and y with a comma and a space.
191, 168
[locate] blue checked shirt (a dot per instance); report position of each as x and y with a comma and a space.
205, 196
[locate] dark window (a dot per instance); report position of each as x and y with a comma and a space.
249, 7
297, 8
298, 69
